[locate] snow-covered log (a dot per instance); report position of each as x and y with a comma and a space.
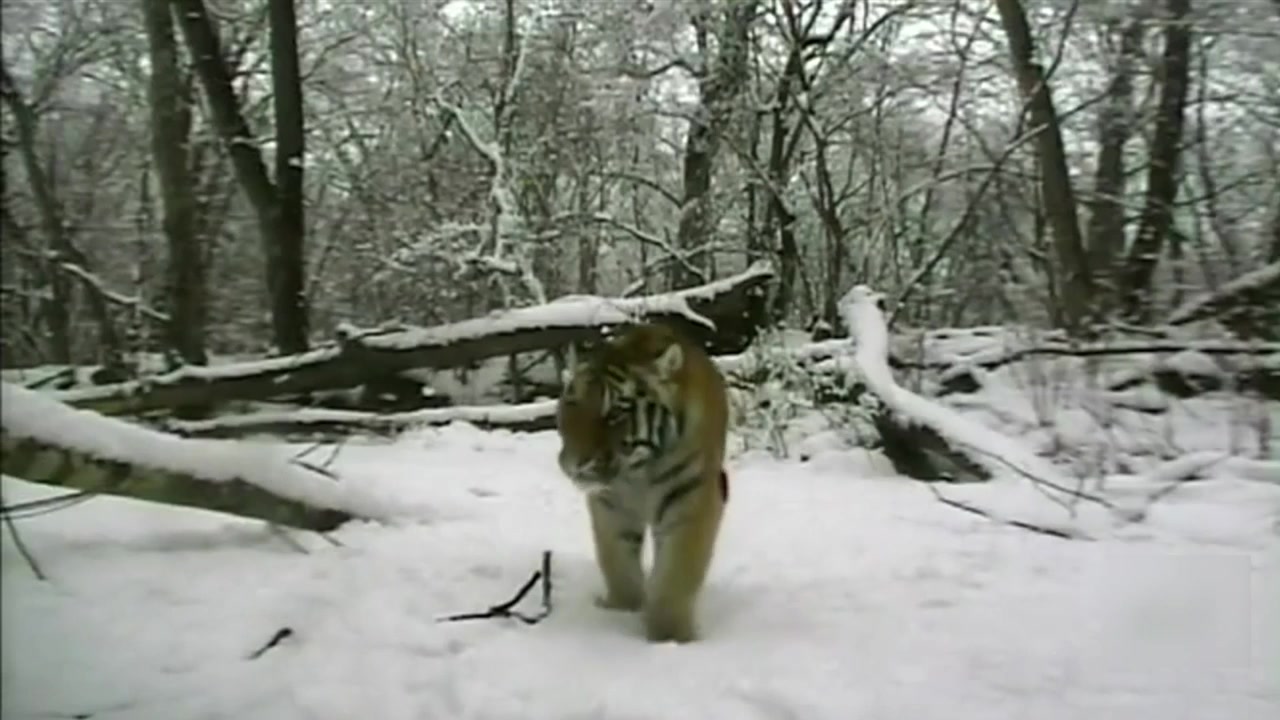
954, 360
1256, 292
711, 313
48, 442
310, 422
971, 445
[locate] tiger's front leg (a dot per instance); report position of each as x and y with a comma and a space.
618, 532
684, 545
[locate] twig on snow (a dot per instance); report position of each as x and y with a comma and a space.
1051, 532
43, 506
323, 468
22, 547
285, 538
280, 635
1042, 482
282, 532
504, 610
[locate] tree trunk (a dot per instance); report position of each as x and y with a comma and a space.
828, 207
170, 143
1075, 289
1106, 222
724, 79
1162, 172
778, 216
288, 329
287, 283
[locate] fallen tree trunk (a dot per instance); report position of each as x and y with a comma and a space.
313, 423
361, 355
975, 446
972, 445
47, 442
1248, 304
1251, 363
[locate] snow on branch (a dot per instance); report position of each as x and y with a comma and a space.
97, 285
524, 417
713, 312
860, 309
576, 311
509, 228
1259, 287
49, 442
670, 252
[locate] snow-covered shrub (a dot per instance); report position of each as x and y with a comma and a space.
782, 403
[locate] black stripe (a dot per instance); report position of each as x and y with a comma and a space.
657, 418
639, 421
631, 537
674, 470
616, 376
606, 502
673, 496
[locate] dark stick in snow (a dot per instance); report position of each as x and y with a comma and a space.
22, 546
279, 636
504, 610
1043, 530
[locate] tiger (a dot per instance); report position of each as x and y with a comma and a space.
643, 424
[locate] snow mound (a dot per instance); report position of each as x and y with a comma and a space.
837, 593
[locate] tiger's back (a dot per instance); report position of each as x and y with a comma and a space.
643, 424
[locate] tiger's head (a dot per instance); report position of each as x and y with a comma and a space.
606, 413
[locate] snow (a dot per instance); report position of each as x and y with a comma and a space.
839, 591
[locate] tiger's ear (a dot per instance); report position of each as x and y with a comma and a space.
670, 361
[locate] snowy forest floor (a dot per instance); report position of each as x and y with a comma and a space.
840, 591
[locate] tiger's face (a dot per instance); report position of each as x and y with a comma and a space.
608, 418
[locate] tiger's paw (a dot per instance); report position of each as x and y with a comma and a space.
666, 626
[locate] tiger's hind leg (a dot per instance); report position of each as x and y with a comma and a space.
682, 557
619, 538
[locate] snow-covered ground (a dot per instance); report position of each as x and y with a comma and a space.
839, 591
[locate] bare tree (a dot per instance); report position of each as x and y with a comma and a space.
1076, 287
63, 255
278, 207
719, 82
1162, 171
1106, 236
171, 118
523, 150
